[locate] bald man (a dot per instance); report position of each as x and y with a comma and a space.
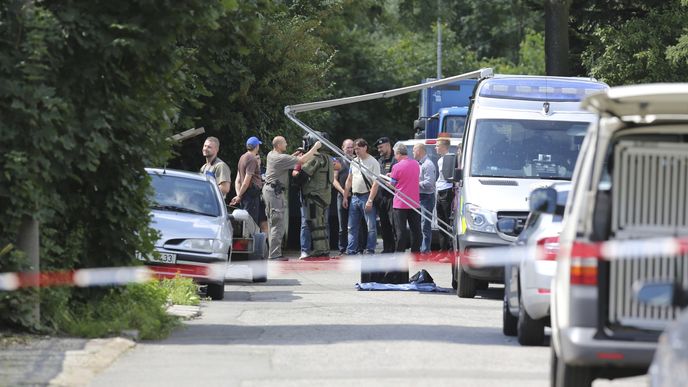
277, 167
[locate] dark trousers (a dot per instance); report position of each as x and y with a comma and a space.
384, 210
445, 198
402, 216
251, 203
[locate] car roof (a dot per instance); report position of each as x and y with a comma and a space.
654, 99
177, 173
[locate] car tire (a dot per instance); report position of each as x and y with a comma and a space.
482, 285
530, 331
464, 283
259, 267
563, 375
216, 291
453, 280
509, 321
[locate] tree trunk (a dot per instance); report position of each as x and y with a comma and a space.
557, 37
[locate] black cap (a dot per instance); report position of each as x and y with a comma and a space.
381, 140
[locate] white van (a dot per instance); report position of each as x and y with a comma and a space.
523, 133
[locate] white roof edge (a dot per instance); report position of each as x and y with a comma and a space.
605, 100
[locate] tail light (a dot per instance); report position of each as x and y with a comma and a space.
584, 271
548, 248
430, 142
241, 244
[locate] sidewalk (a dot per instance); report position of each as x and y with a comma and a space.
29, 360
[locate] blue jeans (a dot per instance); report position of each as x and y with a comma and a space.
427, 202
356, 212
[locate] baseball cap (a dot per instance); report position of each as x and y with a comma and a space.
253, 141
381, 140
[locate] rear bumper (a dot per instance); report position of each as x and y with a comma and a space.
474, 240
580, 347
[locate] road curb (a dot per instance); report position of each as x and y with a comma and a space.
186, 312
81, 366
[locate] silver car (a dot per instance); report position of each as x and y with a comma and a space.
527, 285
195, 230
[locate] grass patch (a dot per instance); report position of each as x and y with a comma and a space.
181, 291
142, 307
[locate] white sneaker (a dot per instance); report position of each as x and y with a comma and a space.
304, 255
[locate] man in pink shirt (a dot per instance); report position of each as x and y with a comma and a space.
406, 208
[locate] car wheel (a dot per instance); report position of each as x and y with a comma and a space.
509, 321
563, 375
453, 282
464, 283
482, 285
259, 259
530, 331
216, 291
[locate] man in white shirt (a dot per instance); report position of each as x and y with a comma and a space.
363, 188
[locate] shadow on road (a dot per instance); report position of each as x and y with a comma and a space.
208, 334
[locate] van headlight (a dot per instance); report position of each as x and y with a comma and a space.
201, 245
480, 219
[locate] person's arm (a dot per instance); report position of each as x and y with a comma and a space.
347, 189
309, 155
224, 187
237, 183
335, 182
242, 189
371, 197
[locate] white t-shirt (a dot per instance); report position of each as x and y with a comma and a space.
358, 184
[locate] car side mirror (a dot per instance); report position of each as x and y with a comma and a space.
544, 200
660, 294
507, 226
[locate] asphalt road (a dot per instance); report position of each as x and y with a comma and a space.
312, 327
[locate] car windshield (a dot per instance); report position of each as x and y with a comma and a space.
454, 126
533, 149
184, 195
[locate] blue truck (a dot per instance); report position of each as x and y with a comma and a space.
443, 109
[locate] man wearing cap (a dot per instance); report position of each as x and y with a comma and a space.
384, 202
215, 167
276, 179
248, 183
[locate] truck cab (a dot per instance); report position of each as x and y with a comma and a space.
443, 109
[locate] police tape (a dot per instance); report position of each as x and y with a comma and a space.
482, 257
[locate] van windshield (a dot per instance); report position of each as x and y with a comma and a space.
526, 148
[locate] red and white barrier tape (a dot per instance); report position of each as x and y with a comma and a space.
495, 256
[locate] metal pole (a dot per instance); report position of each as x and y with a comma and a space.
28, 242
439, 40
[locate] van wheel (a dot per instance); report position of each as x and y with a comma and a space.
453, 282
259, 259
216, 291
563, 375
509, 321
482, 285
530, 331
465, 284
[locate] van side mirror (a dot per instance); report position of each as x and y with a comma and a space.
660, 294
420, 124
544, 200
449, 167
507, 226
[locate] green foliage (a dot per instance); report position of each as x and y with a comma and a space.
139, 306
88, 93
651, 48
180, 291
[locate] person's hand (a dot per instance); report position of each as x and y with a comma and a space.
235, 200
294, 173
345, 202
369, 205
317, 145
